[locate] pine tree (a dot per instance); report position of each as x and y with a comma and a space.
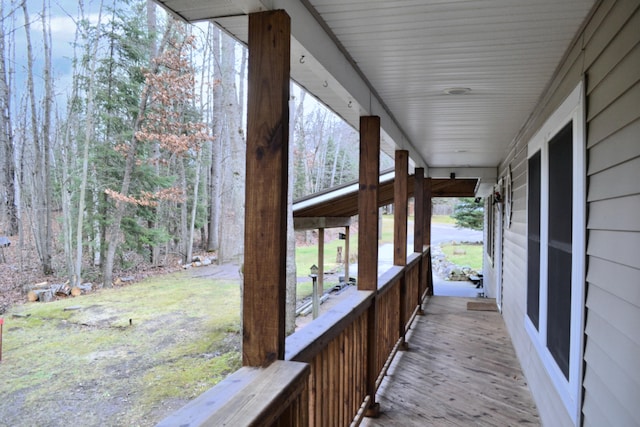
469, 214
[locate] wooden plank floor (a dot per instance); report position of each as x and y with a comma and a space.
460, 370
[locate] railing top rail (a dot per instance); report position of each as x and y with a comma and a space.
230, 403
389, 277
304, 344
413, 258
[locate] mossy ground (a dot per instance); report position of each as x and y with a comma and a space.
125, 356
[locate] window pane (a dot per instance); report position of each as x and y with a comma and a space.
533, 241
560, 232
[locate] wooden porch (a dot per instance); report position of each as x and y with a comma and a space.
460, 369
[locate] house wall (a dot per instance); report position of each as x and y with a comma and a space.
607, 53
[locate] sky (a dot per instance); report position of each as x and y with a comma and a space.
64, 15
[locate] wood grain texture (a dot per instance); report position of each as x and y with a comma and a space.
400, 207
247, 397
418, 223
428, 194
266, 188
345, 204
460, 370
368, 203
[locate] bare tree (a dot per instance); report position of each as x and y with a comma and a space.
40, 184
217, 120
234, 149
8, 178
88, 137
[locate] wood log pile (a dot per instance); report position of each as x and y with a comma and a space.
46, 292
198, 261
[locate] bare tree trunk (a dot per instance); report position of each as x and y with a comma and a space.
8, 179
47, 266
216, 147
194, 208
41, 225
183, 212
88, 137
154, 249
232, 215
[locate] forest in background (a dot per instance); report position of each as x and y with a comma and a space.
129, 148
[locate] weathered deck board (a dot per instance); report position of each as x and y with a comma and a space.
460, 370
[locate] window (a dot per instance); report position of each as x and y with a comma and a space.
489, 228
555, 247
533, 241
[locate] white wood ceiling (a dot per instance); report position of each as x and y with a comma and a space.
408, 52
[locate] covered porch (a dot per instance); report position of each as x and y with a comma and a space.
461, 369
377, 354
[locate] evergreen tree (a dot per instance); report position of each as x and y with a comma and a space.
469, 214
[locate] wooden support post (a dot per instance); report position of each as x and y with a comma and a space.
418, 222
427, 228
400, 208
266, 188
368, 242
418, 232
347, 254
400, 213
368, 203
320, 262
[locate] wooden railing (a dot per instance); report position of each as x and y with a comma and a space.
323, 380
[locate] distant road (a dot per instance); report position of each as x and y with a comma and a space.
446, 233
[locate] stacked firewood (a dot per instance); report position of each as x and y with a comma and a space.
46, 292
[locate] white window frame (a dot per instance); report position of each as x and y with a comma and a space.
571, 110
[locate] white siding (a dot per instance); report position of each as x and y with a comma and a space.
607, 53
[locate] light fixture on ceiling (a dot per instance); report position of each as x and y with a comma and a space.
457, 91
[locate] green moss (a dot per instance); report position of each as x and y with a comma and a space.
183, 338
187, 377
467, 255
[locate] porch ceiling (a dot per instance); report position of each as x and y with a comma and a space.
397, 58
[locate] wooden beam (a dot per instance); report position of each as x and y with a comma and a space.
368, 203
345, 204
400, 207
266, 188
418, 222
313, 223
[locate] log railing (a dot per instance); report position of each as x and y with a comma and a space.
323, 380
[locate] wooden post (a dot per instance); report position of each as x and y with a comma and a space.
426, 232
368, 242
320, 262
346, 254
427, 229
418, 232
368, 203
400, 212
400, 202
266, 188
418, 222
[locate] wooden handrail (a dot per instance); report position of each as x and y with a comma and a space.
306, 343
246, 398
322, 380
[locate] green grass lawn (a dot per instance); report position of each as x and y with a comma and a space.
472, 256
443, 219
139, 351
